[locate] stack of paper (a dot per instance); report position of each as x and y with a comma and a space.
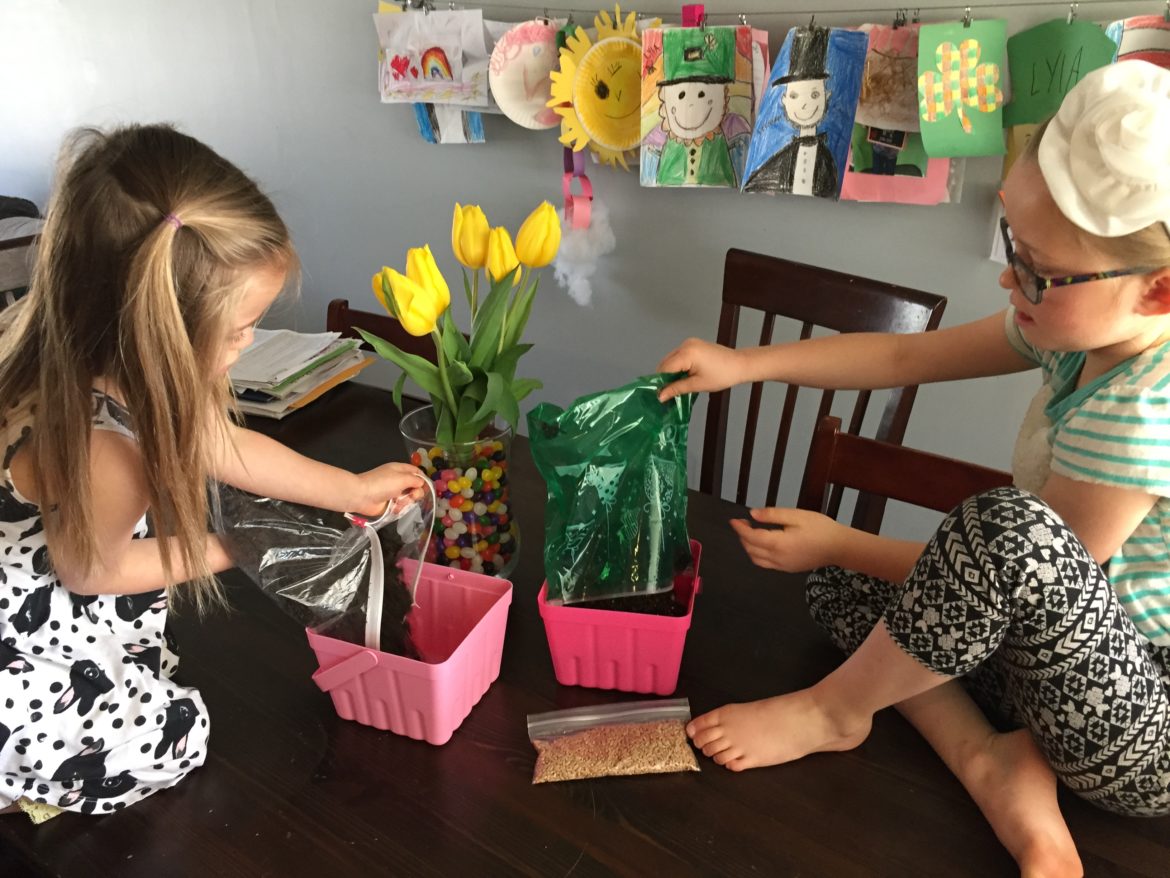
282, 370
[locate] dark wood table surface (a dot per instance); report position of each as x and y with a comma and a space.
291, 789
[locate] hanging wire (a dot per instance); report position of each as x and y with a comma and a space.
770, 11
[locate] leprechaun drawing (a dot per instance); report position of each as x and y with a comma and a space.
700, 135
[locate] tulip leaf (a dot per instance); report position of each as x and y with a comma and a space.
497, 400
477, 389
422, 372
455, 343
506, 362
398, 385
521, 387
485, 335
458, 374
466, 427
518, 316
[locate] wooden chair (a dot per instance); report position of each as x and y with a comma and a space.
346, 320
817, 297
843, 460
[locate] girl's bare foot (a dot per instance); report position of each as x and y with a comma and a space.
1015, 788
775, 730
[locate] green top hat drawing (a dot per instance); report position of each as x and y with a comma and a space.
806, 57
698, 55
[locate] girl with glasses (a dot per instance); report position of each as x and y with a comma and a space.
1029, 639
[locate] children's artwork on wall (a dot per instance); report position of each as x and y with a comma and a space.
698, 105
518, 73
960, 98
596, 91
437, 57
1143, 37
892, 166
1044, 62
440, 123
801, 136
889, 87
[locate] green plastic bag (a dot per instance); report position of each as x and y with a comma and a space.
615, 464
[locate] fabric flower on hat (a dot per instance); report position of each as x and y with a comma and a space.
1106, 153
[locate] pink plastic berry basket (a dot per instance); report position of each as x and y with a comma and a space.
457, 624
610, 649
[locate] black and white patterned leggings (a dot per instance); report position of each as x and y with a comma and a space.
1006, 596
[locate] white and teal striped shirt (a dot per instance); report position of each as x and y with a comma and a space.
1116, 431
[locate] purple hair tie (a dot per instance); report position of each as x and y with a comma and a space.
173, 220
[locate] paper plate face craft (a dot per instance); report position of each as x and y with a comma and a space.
518, 73
597, 91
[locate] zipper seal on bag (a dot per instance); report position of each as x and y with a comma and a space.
557, 723
377, 580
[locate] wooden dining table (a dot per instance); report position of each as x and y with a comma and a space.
291, 789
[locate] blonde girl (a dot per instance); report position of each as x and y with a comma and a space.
157, 259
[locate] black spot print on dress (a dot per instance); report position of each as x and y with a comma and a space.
86, 682
12, 661
181, 715
130, 606
34, 612
37, 527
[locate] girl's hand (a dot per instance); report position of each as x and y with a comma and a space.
397, 483
710, 367
805, 540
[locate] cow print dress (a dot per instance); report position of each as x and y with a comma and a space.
90, 720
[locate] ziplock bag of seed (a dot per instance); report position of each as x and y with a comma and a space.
635, 737
337, 574
615, 466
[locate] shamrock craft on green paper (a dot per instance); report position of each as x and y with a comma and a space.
959, 81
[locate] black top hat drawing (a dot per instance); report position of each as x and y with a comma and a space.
806, 58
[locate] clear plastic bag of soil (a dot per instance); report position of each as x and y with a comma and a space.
634, 737
615, 465
337, 574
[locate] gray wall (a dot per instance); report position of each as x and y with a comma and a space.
287, 91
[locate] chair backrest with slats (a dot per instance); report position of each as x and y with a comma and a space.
815, 297
895, 472
346, 320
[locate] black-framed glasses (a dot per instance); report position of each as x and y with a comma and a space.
1033, 285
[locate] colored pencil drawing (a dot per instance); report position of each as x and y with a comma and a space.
801, 138
697, 105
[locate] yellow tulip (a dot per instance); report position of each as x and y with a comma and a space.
421, 268
379, 283
539, 236
469, 236
417, 308
501, 256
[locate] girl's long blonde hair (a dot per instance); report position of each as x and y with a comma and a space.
149, 239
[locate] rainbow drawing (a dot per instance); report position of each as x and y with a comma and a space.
435, 64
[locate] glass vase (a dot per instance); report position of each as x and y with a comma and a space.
475, 527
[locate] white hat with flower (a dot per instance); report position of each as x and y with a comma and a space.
1106, 153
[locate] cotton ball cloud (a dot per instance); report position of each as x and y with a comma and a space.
580, 249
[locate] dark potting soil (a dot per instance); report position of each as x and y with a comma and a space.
287, 550
660, 604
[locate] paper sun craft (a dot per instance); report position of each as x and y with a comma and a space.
597, 91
